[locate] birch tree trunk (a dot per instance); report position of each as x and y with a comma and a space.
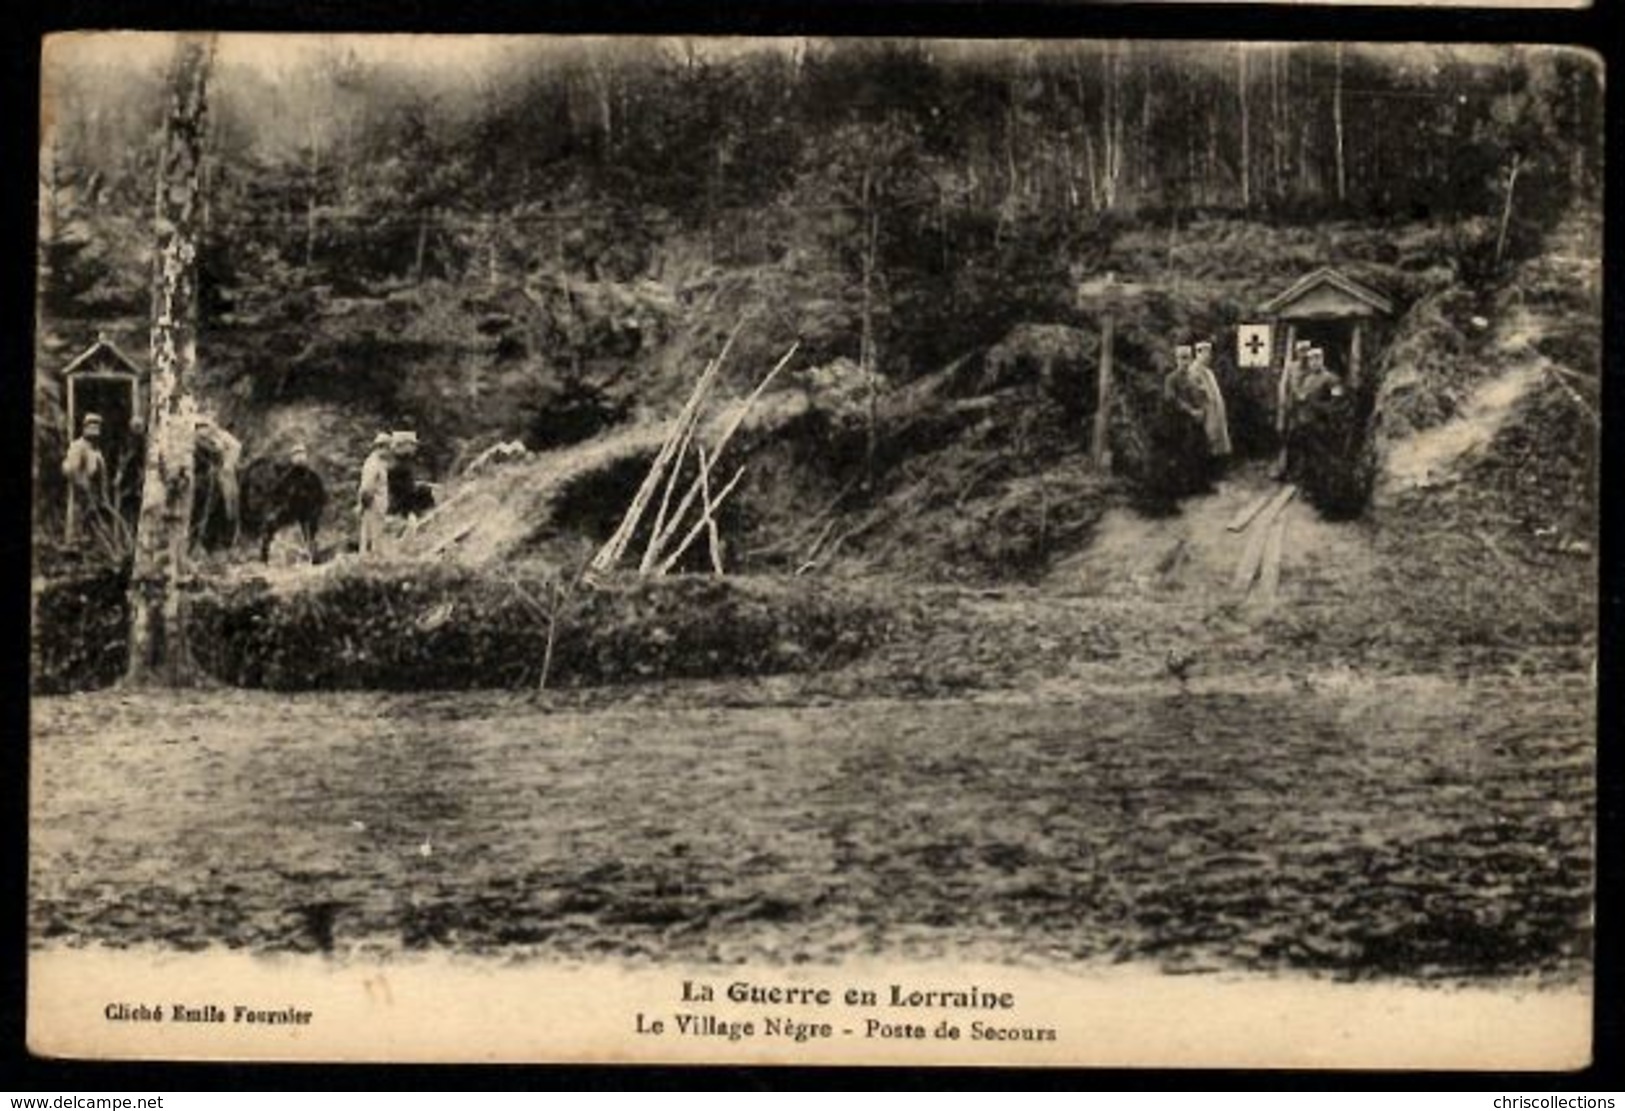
866, 341
1111, 129
310, 200
1506, 209
1246, 129
159, 652
1337, 122
1277, 125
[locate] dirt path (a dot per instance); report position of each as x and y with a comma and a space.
1430, 457
1194, 553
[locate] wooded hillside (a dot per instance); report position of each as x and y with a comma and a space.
504, 238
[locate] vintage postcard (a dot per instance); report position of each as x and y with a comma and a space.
815, 551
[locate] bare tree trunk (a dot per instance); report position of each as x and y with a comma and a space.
1337, 122
1506, 209
1277, 125
160, 654
1011, 123
310, 200
1147, 171
1111, 130
1307, 178
1246, 129
1212, 175
866, 349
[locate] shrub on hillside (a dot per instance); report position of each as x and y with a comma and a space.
1331, 460
80, 632
412, 628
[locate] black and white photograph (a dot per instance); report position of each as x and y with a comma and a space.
815, 550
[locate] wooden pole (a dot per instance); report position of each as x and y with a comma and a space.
1103, 399
706, 507
1355, 346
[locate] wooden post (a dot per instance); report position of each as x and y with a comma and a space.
1354, 354
73, 431
1098, 452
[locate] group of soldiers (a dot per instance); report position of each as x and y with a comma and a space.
387, 486
1192, 388
96, 496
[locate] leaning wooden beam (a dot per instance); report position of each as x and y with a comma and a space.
761, 388
708, 507
699, 526
650, 551
686, 418
610, 554
662, 540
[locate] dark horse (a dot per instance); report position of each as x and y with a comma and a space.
278, 493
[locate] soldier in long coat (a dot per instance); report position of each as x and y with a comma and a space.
1292, 371
86, 471
372, 496
1215, 419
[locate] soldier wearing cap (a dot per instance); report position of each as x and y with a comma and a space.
1292, 372
86, 472
372, 497
407, 497
1179, 388
1215, 422
1315, 379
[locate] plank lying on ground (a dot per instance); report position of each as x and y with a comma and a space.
1248, 567
1247, 513
1250, 559
1270, 578
1278, 503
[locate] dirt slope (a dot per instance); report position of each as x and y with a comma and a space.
495, 514
1435, 454
1194, 553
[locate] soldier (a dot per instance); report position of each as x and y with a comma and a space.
1291, 371
408, 497
372, 498
1315, 379
86, 472
1324, 438
1177, 386
1198, 435
1215, 422
226, 452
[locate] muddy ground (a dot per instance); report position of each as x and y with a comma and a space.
1425, 828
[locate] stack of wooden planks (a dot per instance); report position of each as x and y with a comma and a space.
1261, 559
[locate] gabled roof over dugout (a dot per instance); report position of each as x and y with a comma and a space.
1326, 293
104, 358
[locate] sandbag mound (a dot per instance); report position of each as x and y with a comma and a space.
406, 627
